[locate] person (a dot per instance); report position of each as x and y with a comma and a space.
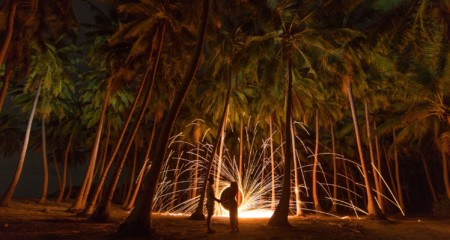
210, 198
233, 206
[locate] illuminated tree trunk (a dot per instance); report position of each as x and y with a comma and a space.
381, 200
372, 157
241, 152
139, 222
198, 213
64, 173
373, 210
335, 183
429, 181
220, 159
131, 184
298, 201
79, 204
197, 135
317, 206
272, 162
8, 36
45, 164
397, 175
55, 164
280, 215
5, 85
7, 197
144, 165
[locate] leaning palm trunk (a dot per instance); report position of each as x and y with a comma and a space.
373, 209
144, 166
5, 86
79, 204
198, 213
371, 153
317, 206
7, 197
9, 31
64, 173
335, 184
280, 215
139, 222
131, 184
272, 162
397, 175
45, 165
381, 199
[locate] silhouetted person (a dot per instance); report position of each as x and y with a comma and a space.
231, 199
210, 198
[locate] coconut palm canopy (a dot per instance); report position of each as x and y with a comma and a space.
313, 107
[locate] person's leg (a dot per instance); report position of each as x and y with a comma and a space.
234, 217
208, 221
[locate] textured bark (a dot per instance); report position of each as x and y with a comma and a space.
281, 213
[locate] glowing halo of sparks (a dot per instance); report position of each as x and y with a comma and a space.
223, 195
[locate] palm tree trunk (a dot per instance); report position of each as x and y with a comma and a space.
317, 206
198, 213
7, 197
298, 201
9, 32
64, 175
272, 162
139, 222
381, 200
133, 171
372, 209
335, 183
79, 204
427, 174
55, 164
144, 166
220, 158
280, 215
5, 85
69, 191
45, 164
445, 173
372, 157
397, 175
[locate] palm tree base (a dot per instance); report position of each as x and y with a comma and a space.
197, 216
137, 230
101, 214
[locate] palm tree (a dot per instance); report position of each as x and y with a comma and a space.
139, 221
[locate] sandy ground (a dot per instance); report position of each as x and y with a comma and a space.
24, 219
